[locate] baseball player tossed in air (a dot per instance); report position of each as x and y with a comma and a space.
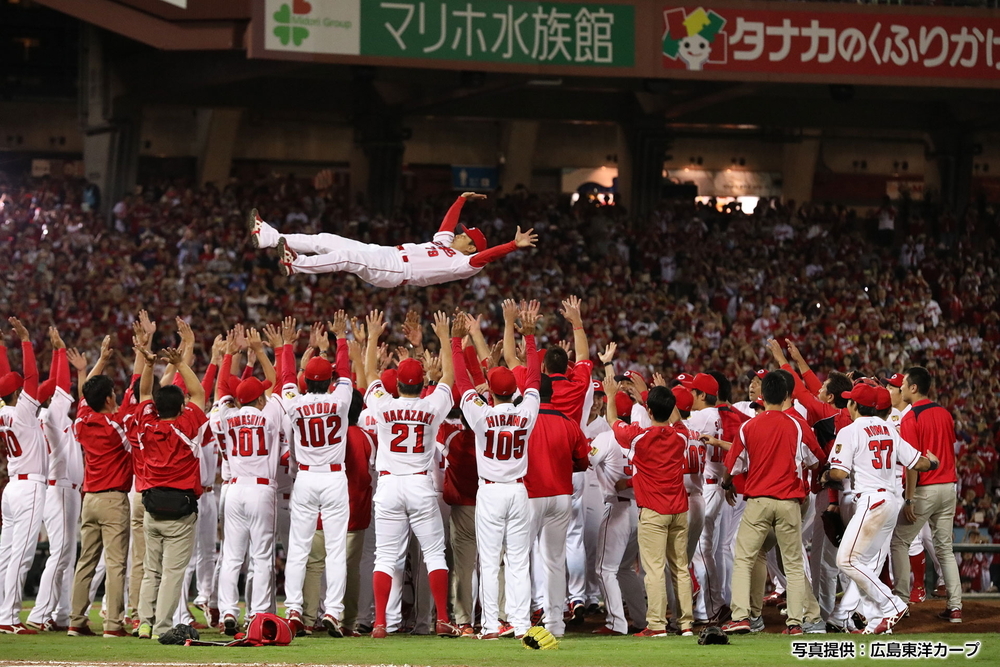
320, 421
406, 499
447, 257
24, 496
503, 515
254, 444
868, 450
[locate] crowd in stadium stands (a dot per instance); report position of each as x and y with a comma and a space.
689, 289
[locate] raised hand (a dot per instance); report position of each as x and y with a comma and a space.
432, 367
610, 388
472, 195
273, 335
314, 331
609, 353
218, 349
289, 330
145, 354
148, 327
232, 344
254, 341
241, 336
525, 239
566, 347
529, 318
376, 324
658, 380
172, 355
339, 324
774, 347
571, 311
442, 326
77, 360
55, 339
496, 353
796, 355
358, 331
19, 329
186, 334
106, 349
460, 325
637, 381
323, 180
412, 330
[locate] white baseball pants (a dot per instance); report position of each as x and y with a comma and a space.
503, 522
23, 505
381, 266
710, 567
62, 524
318, 494
404, 503
549, 523
617, 562
250, 512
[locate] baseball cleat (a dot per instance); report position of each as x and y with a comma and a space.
115, 633
294, 619
80, 631
466, 631
332, 626
490, 636
918, 595
144, 631
446, 629
737, 627
230, 625
261, 234
607, 632
792, 630
16, 629
951, 615
285, 257
651, 633
378, 632
35, 626
506, 630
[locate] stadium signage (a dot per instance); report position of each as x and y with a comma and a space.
796, 42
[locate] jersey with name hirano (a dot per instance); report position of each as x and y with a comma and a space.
869, 449
502, 433
407, 428
254, 446
319, 423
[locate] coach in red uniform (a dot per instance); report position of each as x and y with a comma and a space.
767, 449
557, 447
929, 496
357, 466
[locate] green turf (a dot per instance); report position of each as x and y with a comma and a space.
574, 651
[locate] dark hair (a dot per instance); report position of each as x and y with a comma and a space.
710, 399
919, 376
318, 386
774, 389
556, 360
884, 414
9, 398
357, 405
837, 384
97, 390
545, 389
169, 401
865, 410
661, 402
409, 389
788, 378
725, 386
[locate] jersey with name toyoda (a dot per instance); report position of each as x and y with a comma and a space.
319, 423
502, 433
869, 449
407, 428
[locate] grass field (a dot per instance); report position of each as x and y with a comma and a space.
576, 650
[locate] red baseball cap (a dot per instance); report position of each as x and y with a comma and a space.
862, 394
410, 371
234, 383
632, 375
46, 390
10, 383
501, 381
597, 386
706, 383
623, 403
685, 379
478, 238
684, 398
761, 373
251, 389
389, 378
883, 400
896, 380
319, 368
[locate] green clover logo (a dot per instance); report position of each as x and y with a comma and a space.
288, 32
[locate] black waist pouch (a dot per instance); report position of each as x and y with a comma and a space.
169, 503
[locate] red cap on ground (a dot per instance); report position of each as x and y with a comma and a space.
862, 394
477, 237
251, 389
319, 368
410, 372
501, 381
706, 383
623, 403
46, 390
10, 383
896, 380
684, 398
389, 378
883, 401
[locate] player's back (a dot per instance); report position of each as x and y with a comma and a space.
407, 428
694, 459
709, 422
253, 440
319, 424
869, 449
502, 433
22, 438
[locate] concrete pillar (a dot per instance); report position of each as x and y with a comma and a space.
359, 174
648, 142
216, 141
798, 168
624, 195
518, 150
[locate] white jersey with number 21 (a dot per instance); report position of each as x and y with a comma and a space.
407, 428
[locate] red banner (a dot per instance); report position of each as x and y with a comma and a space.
828, 43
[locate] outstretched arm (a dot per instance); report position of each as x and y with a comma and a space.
376, 326
521, 240
529, 318
28, 358
571, 311
442, 327
458, 330
509, 345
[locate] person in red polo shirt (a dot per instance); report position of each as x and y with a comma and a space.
929, 497
657, 455
169, 433
557, 448
767, 449
358, 461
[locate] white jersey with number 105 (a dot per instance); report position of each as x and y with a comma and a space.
869, 449
502, 434
407, 428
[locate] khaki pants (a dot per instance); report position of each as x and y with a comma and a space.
169, 544
761, 516
138, 512
315, 565
104, 528
933, 504
662, 542
463, 549
352, 589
